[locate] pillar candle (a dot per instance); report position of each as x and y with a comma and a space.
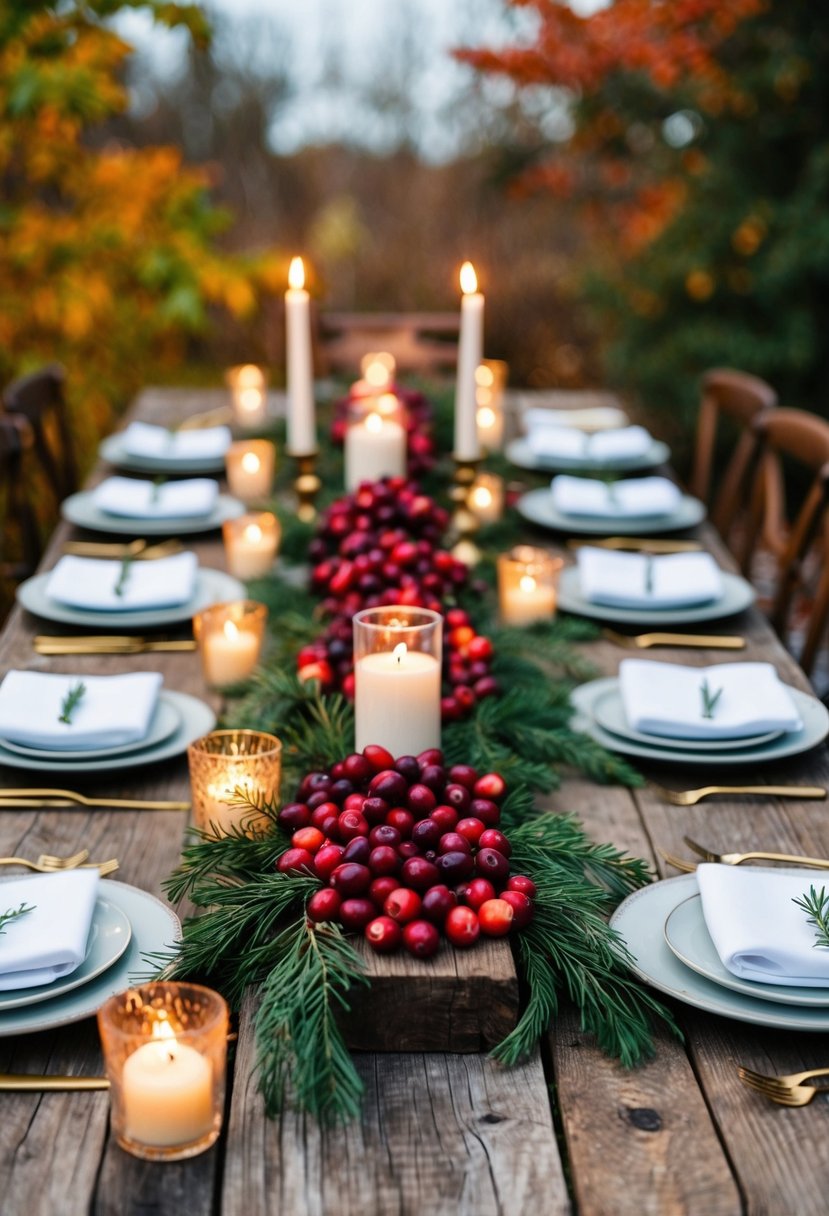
167, 1093
302, 437
397, 701
375, 447
470, 347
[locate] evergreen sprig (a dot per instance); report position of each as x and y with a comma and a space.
71, 701
816, 907
12, 914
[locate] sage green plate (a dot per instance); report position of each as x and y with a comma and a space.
112, 450
609, 712
165, 720
738, 594
537, 507
521, 454
80, 509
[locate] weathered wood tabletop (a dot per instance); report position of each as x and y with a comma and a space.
439, 1133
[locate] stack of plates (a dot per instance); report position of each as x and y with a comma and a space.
537, 507
737, 595
601, 714
81, 509
683, 962
178, 720
113, 450
127, 925
520, 452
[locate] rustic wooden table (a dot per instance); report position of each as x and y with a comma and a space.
439, 1133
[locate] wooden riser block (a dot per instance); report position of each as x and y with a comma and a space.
460, 1000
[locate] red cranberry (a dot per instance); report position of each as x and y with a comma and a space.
317, 799
294, 815
454, 866
495, 917
324, 905
480, 648
453, 842
357, 849
322, 813
356, 913
421, 800
520, 882
351, 824
384, 834
308, 838
375, 810
486, 686
446, 817
403, 904
491, 785
354, 802
407, 849
316, 781
463, 774
420, 873
421, 938
457, 796
402, 820
389, 785
357, 768
300, 861
378, 757
408, 767
485, 810
461, 927
493, 839
426, 834
438, 902
465, 698
327, 860
351, 878
384, 860
489, 863
381, 889
471, 829
521, 905
477, 892
432, 755
383, 935
340, 790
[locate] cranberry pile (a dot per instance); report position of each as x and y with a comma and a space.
421, 447
381, 545
406, 849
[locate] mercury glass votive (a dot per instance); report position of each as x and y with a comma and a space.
248, 386
486, 497
251, 542
165, 1049
223, 765
490, 381
250, 467
527, 585
397, 673
229, 637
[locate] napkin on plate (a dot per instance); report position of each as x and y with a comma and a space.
51, 940
136, 499
637, 580
88, 582
667, 699
758, 932
604, 447
638, 496
113, 709
156, 442
593, 418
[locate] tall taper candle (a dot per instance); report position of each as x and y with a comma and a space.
302, 435
470, 348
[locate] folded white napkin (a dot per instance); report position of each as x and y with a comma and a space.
50, 941
594, 418
667, 699
113, 709
142, 439
758, 932
137, 499
638, 496
87, 582
637, 580
602, 448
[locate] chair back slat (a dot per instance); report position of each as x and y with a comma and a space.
40, 399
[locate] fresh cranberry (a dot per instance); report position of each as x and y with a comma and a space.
324, 905
421, 800
294, 815
351, 824
432, 755
408, 768
356, 913
407, 849
300, 861
376, 809
453, 842
383, 834
420, 873
454, 866
318, 798
493, 839
316, 781
384, 859
495, 917
457, 796
480, 648
307, 838
426, 834
521, 905
477, 891
491, 785
403, 904
438, 902
327, 860
381, 889
471, 829
434, 777
378, 757
357, 849
465, 698
446, 817
520, 882
461, 927
463, 774
450, 711
358, 768
486, 810
354, 802
340, 790
486, 686
401, 819
489, 863
389, 785
383, 935
351, 878
421, 938
323, 813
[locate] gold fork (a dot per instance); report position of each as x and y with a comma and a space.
54, 797
692, 797
636, 544
736, 859
139, 550
787, 1089
643, 641
103, 867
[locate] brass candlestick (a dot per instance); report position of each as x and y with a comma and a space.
464, 523
307, 485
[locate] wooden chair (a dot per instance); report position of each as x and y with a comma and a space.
19, 521
421, 342
40, 399
740, 397
802, 439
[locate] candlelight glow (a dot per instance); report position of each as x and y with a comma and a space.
486, 417
253, 535
377, 374
296, 274
250, 398
469, 280
400, 651
484, 376
387, 404
481, 497
527, 583
374, 423
249, 376
231, 631
251, 462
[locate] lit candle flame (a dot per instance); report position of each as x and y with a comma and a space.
296, 274
164, 1036
527, 583
469, 280
374, 423
252, 534
249, 376
250, 462
250, 398
387, 404
486, 417
400, 651
377, 374
231, 631
481, 497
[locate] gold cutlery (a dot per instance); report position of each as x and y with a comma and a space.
108, 644
103, 867
679, 863
788, 1088
138, 550
735, 859
28, 1083
639, 544
643, 641
692, 797
54, 797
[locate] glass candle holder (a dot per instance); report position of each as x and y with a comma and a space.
250, 465
490, 381
227, 765
229, 637
486, 497
375, 441
248, 386
397, 674
251, 542
165, 1048
377, 369
527, 585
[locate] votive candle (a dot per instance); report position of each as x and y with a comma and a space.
527, 585
486, 497
227, 767
248, 393
250, 467
229, 637
251, 542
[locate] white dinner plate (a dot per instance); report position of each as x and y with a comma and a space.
112, 449
165, 720
109, 936
212, 587
637, 921
538, 508
687, 936
520, 453
197, 719
609, 712
738, 594
80, 509
155, 928
813, 714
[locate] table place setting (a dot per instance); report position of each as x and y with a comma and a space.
119, 504
594, 506
145, 448
725, 714
619, 450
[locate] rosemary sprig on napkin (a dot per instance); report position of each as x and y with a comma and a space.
155, 493
13, 913
71, 702
816, 907
123, 575
648, 575
710, 697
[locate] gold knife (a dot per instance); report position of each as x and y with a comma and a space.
109, 644
25, 1082
55, 797
702, 641
639, 544
137, 550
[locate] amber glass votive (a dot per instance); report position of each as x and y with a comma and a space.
486, 497
248, 386
250, 467
527, 585
490, 381
229, 637
251, 542
229, 765
165, 1048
